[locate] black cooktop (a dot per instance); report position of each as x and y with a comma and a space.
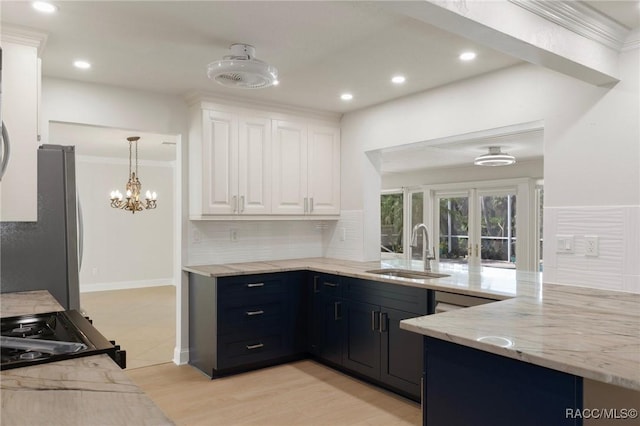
47, 337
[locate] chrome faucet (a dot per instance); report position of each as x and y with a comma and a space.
426, 256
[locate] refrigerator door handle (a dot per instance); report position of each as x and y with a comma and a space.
6, 150
80, 232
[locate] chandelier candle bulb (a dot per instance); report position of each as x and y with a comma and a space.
147, 195
154, 196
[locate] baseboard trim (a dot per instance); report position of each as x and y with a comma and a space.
180, 356
125, 285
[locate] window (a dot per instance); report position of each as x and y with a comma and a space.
454, 228
498, 230
391, 222
417, 216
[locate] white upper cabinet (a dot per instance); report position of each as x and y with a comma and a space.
324, 170
306, 166
236, 169
290, 150
256, 164
20, 100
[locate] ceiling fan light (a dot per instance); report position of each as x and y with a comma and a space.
495, 158
242, 70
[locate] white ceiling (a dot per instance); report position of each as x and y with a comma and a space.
321, 48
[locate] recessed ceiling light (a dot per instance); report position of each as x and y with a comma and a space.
84, 65
346, 96
398, 79
467, 56
43, 6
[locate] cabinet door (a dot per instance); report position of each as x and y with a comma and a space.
324, 171
254, 167
402, 353
362, 338
219, 163
20, 82
332, 330
289, 176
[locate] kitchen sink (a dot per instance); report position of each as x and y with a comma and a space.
407, 273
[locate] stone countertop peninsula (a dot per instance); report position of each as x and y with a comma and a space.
586, 332
85, 391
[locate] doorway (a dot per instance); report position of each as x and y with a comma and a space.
128, 267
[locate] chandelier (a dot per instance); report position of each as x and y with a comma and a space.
132, 201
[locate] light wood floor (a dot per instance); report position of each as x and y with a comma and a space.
299, 393
142, 321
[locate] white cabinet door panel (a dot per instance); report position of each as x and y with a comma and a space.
255, 166
324, 171
289, 167
220, 163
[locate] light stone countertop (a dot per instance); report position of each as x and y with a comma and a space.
85, 391
586, 332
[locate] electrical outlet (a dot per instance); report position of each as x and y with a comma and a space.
233, 235
196, 236
343, 234
94, 271
591, 245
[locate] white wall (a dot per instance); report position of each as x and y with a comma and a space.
121, 249
591, 146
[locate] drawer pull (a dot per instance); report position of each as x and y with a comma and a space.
252, 313
257, 346
328, 284
252, 285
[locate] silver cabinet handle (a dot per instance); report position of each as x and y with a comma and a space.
242, 204
6, 150
257, 346
235, 204
337, 315
253, 313
306, 204
328, 284
383, 322
315, 284
375, 317
311, 205
252, 285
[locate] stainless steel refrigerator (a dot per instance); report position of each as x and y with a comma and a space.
44, 255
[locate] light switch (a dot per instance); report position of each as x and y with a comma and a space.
564, 243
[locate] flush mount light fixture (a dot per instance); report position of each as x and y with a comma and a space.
132, 203
346, 96
44, 7
83, 65
398, 79
494, 158
467, 56
242, 69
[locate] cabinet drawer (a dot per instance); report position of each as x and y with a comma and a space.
404, 298
250, 288
236, 349
234, 318
327, 285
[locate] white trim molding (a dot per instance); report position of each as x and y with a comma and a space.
581, 19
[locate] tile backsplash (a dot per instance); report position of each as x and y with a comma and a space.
617, 265
215, 242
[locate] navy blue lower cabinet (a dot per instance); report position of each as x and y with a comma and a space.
325, 317
401, 352
362, 335
466, 386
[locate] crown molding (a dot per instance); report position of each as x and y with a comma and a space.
581, 19
25, 36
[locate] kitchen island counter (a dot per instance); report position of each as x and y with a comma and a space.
84, 391
590, 333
